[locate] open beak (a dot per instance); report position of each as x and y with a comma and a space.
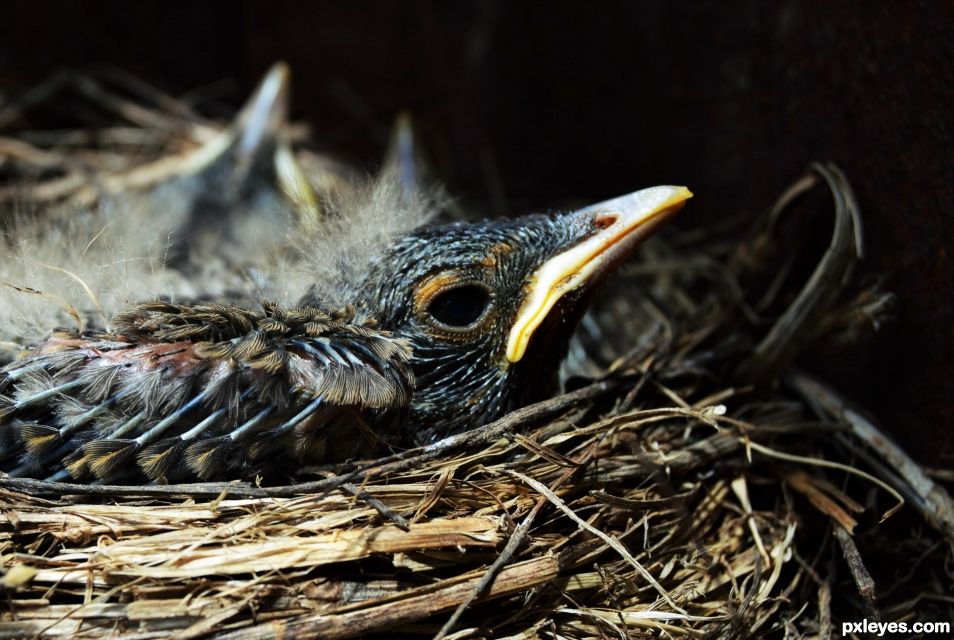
255, 137
621, 224
262, 117
253, 130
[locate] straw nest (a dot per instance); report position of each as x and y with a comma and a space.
697, 485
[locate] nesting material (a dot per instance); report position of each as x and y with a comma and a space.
694, 483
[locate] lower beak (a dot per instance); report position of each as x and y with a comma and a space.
621, 224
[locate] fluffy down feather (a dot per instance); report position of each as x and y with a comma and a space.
78, 268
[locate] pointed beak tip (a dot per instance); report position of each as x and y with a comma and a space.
279, 73
678, 199
273, 90
675, 197
263, 116
640, 212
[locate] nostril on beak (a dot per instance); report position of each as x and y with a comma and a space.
605, 220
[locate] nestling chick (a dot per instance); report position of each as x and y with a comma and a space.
204, 231
429, 330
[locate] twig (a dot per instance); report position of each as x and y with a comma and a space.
615, 544
797, 325
519, 535
863, 579
414, 604
819, 462
376, 504
931, 500
62, 303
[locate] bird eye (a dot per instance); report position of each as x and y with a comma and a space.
461, 306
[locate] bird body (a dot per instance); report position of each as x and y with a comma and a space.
385, 329
179, 391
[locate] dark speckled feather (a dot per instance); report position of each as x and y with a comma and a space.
173, 388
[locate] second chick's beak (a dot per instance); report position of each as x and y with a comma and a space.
243, 186
490, 307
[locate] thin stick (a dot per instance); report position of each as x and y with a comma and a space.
615, 544
859, 572
931, 500
519, 535
818, 462
376, 504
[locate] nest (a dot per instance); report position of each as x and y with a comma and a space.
697, 483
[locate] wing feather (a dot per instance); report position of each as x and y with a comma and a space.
198, 391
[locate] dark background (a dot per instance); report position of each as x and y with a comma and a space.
523, 105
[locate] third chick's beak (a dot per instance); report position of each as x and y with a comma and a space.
619, 226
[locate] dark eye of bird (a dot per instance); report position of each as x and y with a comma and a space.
461, 306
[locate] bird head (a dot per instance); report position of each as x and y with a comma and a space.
490, 307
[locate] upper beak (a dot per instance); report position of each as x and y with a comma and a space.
621, 223
402, 153
266, 111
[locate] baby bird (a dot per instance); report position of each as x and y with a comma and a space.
385, 329
457, 324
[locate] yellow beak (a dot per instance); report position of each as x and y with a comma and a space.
621, 223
